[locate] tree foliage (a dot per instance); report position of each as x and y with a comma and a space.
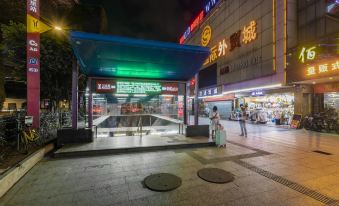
55, 62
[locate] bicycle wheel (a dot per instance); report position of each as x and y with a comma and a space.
23, 143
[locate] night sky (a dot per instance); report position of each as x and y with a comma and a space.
163, 20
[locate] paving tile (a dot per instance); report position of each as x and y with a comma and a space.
116, 180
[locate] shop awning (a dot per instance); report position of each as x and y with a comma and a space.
113, 56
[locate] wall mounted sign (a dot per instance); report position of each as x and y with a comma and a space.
250, 32
324, 68
135, 87
132, 87
248, 35
210, 92
198, 20
257, 93
206, 35
333, 6
308, 53
325, 88
169, 88
105, 86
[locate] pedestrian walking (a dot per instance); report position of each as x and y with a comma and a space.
242, 121
215, 118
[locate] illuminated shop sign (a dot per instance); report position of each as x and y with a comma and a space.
134, 87
105, 86
169, 88
210, 5
210, 92
206, 35
247, 35
307, 53
257, 93
323, 68
333, 6
198, 20
129, 87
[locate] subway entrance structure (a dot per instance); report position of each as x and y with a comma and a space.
132, 83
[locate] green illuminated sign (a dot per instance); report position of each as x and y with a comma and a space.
128, 87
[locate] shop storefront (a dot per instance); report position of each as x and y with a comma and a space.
210, 97
269, 107
330, 94
245, 52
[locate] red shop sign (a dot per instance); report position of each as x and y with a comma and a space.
105, 86
323, 88
169, 88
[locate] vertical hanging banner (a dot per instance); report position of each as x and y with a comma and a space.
34, 28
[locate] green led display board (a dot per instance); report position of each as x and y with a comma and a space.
129, 87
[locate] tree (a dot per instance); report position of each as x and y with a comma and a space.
55, 63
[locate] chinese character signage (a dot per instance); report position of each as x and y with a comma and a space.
210, 92
250, 32
257, 93
307, 54
198, 20
329, 67
33, 61
105, 86
135, 87
235, 40
169, 88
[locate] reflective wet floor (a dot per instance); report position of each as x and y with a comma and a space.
272, 166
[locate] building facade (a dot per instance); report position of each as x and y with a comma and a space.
314, 62
249, 44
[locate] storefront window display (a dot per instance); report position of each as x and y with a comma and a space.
331, 100
271, 108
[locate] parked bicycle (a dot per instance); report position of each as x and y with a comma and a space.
27, 137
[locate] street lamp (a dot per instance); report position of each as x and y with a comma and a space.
58, 28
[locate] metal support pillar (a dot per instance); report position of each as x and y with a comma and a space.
90, 104
75, 71
196, 100
185, 104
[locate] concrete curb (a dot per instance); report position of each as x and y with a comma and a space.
13, 175
102, 152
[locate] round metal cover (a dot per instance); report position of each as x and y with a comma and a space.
215, 175
162, 182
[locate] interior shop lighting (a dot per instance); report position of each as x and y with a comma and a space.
167, 95
217, 95
140, 95
121, 95
253, 88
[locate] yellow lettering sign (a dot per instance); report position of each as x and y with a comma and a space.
206, 35
308, 54
311, 71
249, 32
34, 25
323, 68
335, 66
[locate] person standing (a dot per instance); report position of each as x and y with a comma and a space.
215, 118
242, 121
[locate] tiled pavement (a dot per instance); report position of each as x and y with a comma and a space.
271, 167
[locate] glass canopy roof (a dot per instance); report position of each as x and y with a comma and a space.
120, 57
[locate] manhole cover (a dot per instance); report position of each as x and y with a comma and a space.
215, 175
162, 182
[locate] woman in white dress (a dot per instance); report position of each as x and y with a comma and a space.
215, 118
